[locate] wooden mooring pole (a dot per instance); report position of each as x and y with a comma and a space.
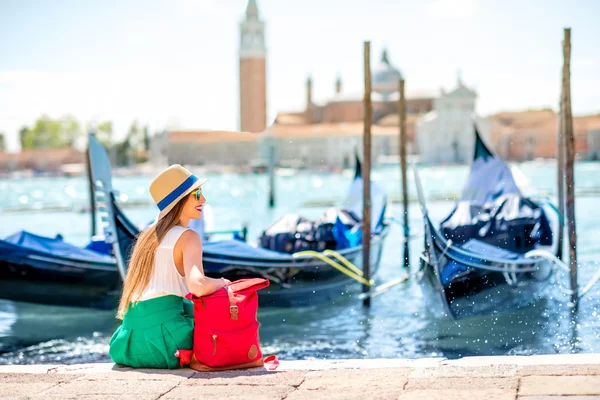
402, 124
271, 175
366, 228
92, 196
567, 122
560, 178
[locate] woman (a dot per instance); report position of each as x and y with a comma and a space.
165, 265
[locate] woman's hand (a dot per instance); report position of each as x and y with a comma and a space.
225, 282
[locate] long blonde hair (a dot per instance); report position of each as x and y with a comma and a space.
141, 262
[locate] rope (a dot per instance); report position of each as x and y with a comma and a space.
380, 289
556, 261
335, 265
353, 272
548, 256
344, 261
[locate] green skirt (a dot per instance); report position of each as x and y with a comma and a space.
152, 331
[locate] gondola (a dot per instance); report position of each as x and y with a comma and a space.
38, 269
477, 262
51, 271
294, 280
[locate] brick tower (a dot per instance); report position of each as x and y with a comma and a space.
253, 72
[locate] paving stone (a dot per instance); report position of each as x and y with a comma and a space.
482, 361
355, 393
466, 371
26, 369
394, 378
87, 368
526, 360
565, 359
559, 369
323, 365
462, 383
257, 376
80, 387
143, 374
490, 394
114, 371
25, 385
229, 392
93, 397
559, 385
558, 397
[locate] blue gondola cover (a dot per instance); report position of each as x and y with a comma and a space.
492, 209
55, 246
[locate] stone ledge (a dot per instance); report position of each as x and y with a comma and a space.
499, 363
490, 378
559, 385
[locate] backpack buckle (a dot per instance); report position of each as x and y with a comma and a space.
233, 310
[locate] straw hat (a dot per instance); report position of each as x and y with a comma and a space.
172, 185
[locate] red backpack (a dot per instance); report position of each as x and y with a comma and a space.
226, 329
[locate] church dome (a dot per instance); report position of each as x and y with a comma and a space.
385, 77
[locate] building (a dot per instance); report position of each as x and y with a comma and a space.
445, 134
253, 71
324, 135
345, 108
327, 135
212, 148
62, 160
159, 146
325, 145
594, 145
527, 135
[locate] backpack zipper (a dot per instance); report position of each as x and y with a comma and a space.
214, 340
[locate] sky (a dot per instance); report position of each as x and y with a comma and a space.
174, 63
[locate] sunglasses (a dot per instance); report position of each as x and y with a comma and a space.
197, 194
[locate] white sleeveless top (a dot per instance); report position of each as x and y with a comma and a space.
165, 278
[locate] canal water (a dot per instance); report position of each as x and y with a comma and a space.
396, 325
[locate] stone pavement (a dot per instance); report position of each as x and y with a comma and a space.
575, 377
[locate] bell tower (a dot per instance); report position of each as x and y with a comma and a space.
253, 71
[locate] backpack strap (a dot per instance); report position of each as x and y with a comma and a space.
233, 308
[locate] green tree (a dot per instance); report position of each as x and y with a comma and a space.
133, 148
123, 152
135, 135
146, 139
104, 132
70, 130
2, 141
135, 143
23, 135
50, 133
46, 133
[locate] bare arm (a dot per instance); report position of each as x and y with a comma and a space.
190, 246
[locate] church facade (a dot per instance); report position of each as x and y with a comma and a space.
328, 134
445, 134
